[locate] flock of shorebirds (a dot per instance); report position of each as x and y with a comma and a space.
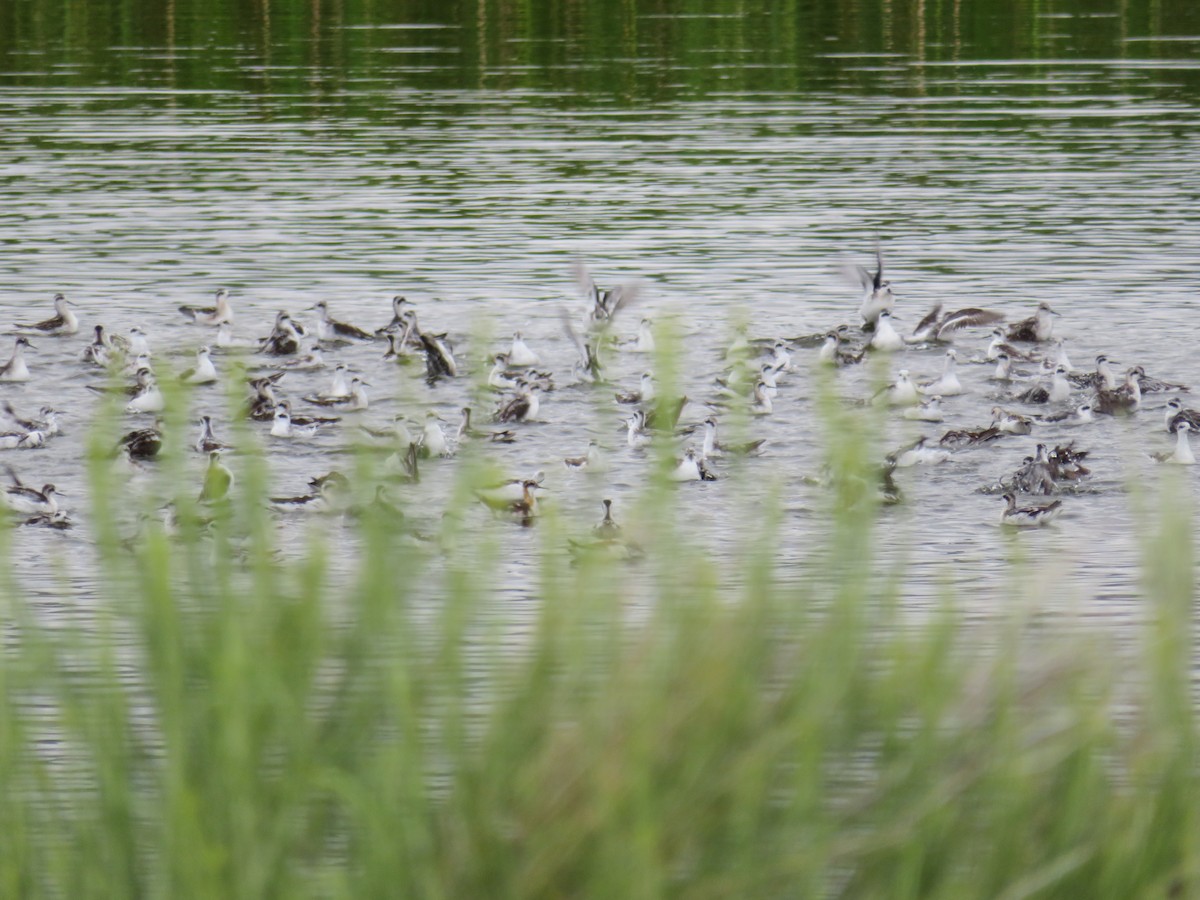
1031, 370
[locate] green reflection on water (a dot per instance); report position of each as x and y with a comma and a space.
335, 55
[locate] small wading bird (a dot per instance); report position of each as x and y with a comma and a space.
216, 315
64, 321
1028, 516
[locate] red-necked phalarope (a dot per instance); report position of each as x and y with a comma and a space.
603, 306
688, 468
31, 501
643, 395
929, 411
607, 528
204, 371
284, 427
1028, 516
64, 321
311, 361
1182, 455
644, 342
901, 392
1176, 413
1036, 329
101, 351
966, 438
1010, 422
207, 442
520, 356
1125, 399
886, 338
284, 339
877, 293
47, 421
1080, 415
947, 385
16, 369
593, 459
148, 399
144, 443
439, 358
211, 315
713, 449
1059, 390
218, 479
636, 435
522, 408
937, 326
466, 432
917, 454
399, 307
22, 440
355, 400
999, 345
433, 440
330, 330
331, 493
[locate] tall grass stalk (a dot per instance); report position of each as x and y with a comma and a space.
236, 724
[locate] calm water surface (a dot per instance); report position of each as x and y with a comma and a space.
728, 157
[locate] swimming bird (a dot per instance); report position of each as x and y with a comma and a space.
999, 345
399, 307
603, 306
466, 432
636, 435
832, 352
929, 411
261, 407
16, 369
877, 293
643, 395
688, 468
901, 392
1028, 516
22, 440
311, 361
502, 495
1104, 378
917, 454
1150, 385
593, 459
939, 326
204, 371
1010, 422
101, 351
1036, 329
433, 440
218, 480
762, 404
331, 493
207, 442
357, 398
520, 356
439, 358
284, 427
211, 315
587, 367
607, 528
1059, 390
500, 379
64, 321
148, 397
957, 439
339, 385
1176, 413
644, 342
284, 339
143, 443
947, 385
712, 448
137, 344
1125, 399
885, 339
1182, 454
522, 408
330, 330
28, 500
1080, 415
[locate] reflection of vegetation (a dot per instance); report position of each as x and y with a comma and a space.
249, 729
632, 49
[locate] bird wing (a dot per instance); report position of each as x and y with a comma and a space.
968, 318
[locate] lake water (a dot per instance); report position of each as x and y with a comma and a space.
729, 156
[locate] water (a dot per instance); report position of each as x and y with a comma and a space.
729, 157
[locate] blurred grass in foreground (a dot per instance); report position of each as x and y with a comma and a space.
250, 729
